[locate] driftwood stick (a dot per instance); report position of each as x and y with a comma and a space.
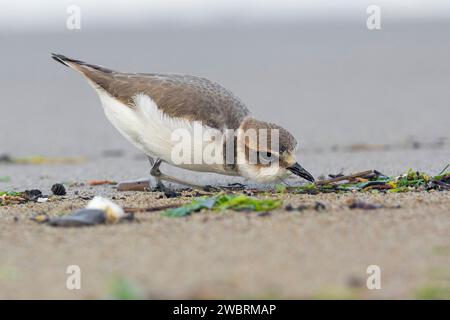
151, 209
140, 185
348, 177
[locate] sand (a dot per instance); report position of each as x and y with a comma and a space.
285, 254
355, 100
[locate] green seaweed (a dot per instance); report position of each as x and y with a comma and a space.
412, 180
195, 205
243, 202
222, 202
10, 193
398, 190
280, 188
433, 292
123, 289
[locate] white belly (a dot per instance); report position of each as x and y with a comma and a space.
150, 130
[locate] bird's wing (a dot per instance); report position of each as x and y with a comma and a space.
181, 96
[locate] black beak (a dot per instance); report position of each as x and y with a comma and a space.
299, 171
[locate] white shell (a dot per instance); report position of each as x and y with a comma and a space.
113, 211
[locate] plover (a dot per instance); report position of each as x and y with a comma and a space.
146, 108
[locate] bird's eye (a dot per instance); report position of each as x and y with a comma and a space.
265, 157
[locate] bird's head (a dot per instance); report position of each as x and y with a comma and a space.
266, 152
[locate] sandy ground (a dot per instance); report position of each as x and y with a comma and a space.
355, 99
308, 254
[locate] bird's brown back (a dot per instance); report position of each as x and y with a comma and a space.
177, 95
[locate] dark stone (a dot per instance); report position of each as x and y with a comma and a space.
264, 214
319, 206
289, 207
171, 194
58, 189
32, 195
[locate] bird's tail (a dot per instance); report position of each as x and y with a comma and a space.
97, 76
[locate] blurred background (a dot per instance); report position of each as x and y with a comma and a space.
355, 98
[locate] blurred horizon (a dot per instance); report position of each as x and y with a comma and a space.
50, 16
312, 67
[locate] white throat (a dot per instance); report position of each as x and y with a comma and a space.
257, 173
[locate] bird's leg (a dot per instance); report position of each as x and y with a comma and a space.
159, 185
155, 172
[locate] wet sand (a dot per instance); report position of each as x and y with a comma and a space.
286, 254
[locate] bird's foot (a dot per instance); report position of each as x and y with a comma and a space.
160, 187
168, 192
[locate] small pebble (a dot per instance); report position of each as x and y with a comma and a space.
289, 207
357, 204
264, 214
32, 195
171, 194
58, 189
319, 206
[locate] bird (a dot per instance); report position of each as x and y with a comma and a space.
148, 108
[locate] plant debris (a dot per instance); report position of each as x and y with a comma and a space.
280, 188
7, 159
58, 189
150, 209
13, 197
95, 182
222, 202
375, 181
142, 185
